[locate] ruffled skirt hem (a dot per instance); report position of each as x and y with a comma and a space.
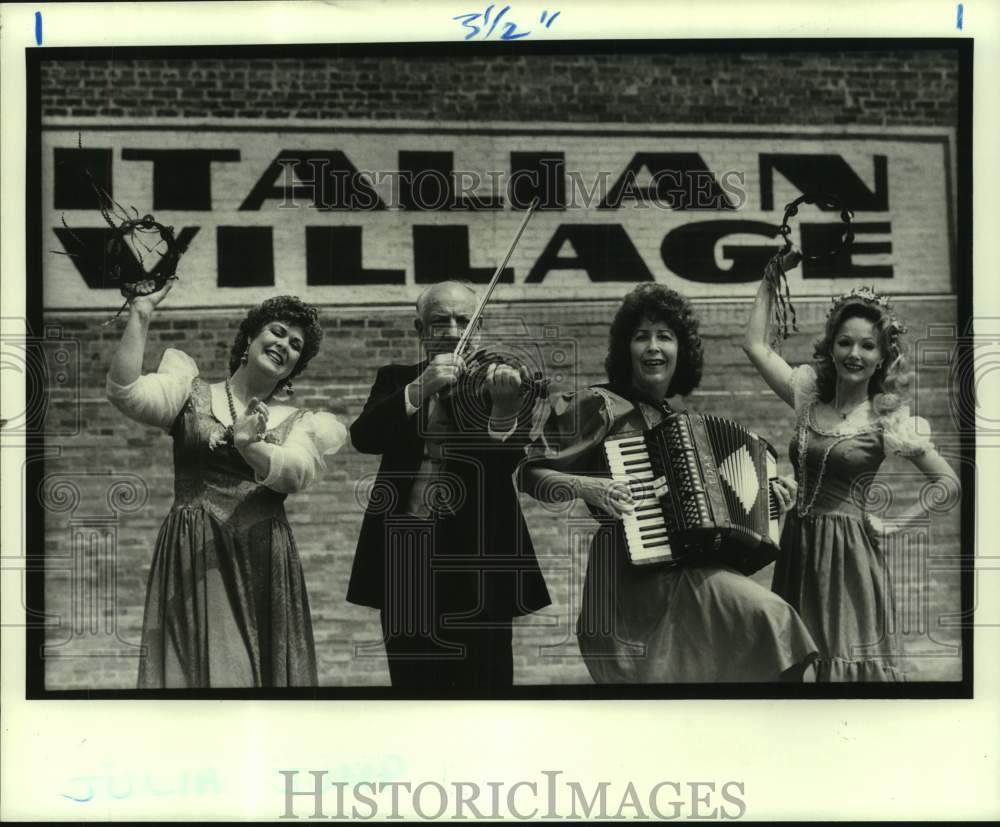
841, 670
704, 624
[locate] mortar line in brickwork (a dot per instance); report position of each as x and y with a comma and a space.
918, 134
352, 310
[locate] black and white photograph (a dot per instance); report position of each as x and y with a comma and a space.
478, 400
514, 364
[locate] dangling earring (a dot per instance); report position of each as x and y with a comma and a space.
287, 387
245, 357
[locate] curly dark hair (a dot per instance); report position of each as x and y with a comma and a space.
659, 304
888, 384
290, 310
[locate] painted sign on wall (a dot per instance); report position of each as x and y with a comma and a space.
370, 214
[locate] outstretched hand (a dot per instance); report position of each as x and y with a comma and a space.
252, 425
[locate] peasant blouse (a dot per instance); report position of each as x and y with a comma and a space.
157, 398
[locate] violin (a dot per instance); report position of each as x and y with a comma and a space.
468, 401
534, 384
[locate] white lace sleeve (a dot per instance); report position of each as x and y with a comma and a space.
905, 435
802, 384
156, 398
300, 458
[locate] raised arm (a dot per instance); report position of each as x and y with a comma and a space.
126, 362
770, 365
153, 398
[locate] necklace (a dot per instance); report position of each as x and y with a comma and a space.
849, 411
225, 436
802, 507
232, 405
807, 423
810, 415
228, 436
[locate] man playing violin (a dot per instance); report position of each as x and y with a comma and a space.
444, 552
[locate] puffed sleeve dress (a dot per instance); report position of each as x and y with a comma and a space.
830, 569
226, 603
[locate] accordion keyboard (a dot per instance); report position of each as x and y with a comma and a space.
645, 529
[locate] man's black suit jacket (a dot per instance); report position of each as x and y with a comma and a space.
482, 561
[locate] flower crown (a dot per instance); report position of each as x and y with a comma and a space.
868, 296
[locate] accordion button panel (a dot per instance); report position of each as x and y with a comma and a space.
774, 511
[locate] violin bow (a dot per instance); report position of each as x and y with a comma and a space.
470, 328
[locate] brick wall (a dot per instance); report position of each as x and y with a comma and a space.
915, 89
326, 519
858, 88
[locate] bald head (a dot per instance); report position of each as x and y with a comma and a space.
450, 289
443, 311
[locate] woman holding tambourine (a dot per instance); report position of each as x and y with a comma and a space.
850, 414
226, 603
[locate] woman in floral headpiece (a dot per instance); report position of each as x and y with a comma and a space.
849, 415
226, 603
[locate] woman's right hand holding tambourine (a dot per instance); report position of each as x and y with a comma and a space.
145, 305
789, 261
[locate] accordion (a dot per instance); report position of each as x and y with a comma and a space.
702, 491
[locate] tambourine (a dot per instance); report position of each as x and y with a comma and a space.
130, 243
140, 254
161, 242
775, 272
823, 201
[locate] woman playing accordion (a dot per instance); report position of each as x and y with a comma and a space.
698, 621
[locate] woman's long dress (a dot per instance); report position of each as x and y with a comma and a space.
667, 623
226, 603
830, 569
